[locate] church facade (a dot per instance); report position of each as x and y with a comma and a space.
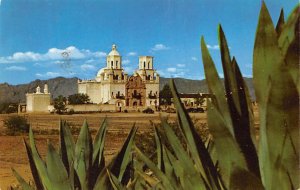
112, 85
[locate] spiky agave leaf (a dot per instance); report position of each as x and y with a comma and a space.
98, 154
289, 44
191, 178
169, 185
280, 23
67, 145
199, 153
278, 98
83, 155
228, 151
243, 179
238, 106
56, 170
34, 171
39, 163
120, 165
23, 183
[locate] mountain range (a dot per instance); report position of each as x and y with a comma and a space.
67, 86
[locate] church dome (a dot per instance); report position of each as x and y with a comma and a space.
101, 71
114, 51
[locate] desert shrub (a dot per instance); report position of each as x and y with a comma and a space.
7, 107
71, 111
148, 110
16, 124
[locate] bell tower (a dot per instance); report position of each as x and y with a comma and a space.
113, 60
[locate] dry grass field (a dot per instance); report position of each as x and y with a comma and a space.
12, 150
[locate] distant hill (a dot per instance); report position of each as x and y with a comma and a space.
67, 86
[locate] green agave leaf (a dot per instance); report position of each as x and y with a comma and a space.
229, 153
160, 163
120, 164
266, 56
98, 154
289, 44
67, 145
100, 141
215, 86
238, 105
115, 182
279, 105
193, 178
24, 185
40, 165
243, 179
83, 155
231, 86
168, 168
158, 173
289, 31
150, 180
280, 23
198, 150
34, 171
57, 172
282, 117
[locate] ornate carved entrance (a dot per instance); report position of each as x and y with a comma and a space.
135, 92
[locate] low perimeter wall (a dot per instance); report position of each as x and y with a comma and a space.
92, 108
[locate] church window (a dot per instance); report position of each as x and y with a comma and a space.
116, 64
112, 64
144, 64
149, 65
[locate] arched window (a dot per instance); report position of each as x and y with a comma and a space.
144, 64
116, 64
112, 64
149, 65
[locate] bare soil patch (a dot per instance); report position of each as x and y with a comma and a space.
13, 153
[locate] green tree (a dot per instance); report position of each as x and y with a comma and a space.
60, 104
199, 101
78, 98
165, 95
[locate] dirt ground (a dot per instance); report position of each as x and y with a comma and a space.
12, 150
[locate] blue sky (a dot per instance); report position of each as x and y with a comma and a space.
34, 33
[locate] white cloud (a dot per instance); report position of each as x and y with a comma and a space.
178, 74
194, 58
87, 67
128, 70
132, 53
16, 68
180, 65
52, 74
70, 52
47, 74
159, 47
58, 62
125, 61
213, 47
161, 73
90, 61
171, 69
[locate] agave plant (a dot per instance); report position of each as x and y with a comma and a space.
78, 166
232, 159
